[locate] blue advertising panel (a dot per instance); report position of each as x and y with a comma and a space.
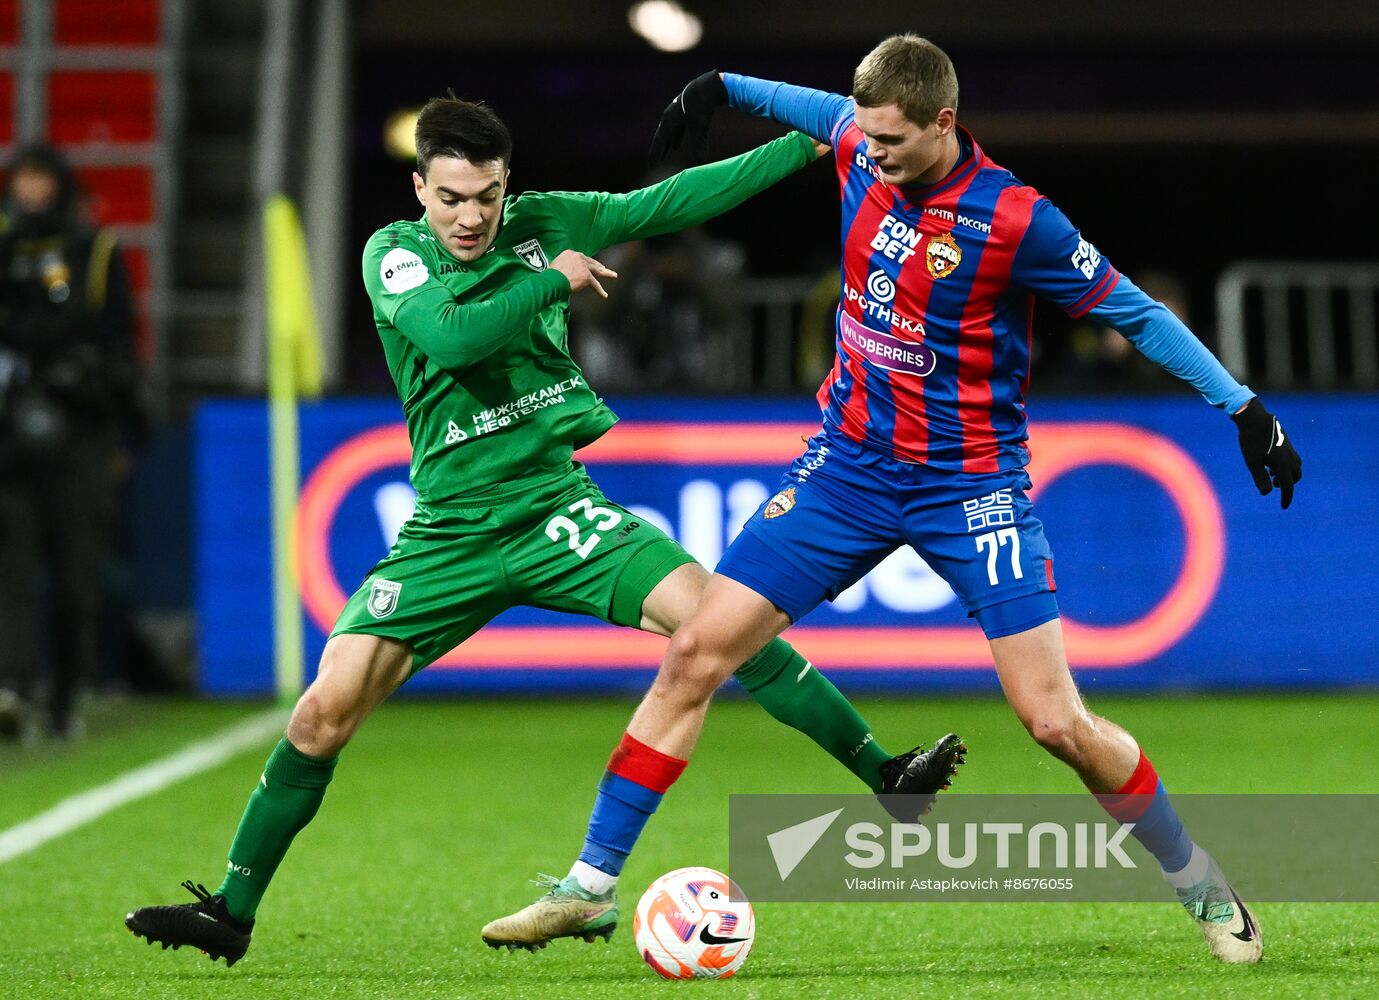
1172, 572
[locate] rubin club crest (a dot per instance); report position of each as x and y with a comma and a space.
383, 598
531, 254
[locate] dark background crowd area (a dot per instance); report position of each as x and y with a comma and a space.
1174, 157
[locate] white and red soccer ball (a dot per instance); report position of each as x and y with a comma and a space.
688, 926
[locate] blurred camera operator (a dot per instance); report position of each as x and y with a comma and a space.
69, 392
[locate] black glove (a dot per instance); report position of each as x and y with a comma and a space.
684, 124
1268, 451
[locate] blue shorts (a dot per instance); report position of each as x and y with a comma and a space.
842, 508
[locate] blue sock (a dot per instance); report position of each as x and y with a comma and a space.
620, 812
1161, 832
631, 789
1144, 802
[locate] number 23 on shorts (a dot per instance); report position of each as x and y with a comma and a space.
582, 538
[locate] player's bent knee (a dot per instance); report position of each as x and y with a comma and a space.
694, 666
317, 727
1066, 737
356, 673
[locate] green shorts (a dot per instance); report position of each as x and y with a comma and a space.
555, 543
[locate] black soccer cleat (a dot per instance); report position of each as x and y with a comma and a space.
205, 924
910, 781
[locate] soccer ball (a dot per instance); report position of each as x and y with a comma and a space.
686, 927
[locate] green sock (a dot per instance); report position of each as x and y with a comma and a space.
785, 684
288, 794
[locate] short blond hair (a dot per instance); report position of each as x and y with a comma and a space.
910, 72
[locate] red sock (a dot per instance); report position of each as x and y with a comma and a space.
629, 793
634, 760
1129, 802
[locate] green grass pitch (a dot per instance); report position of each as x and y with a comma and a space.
440, 811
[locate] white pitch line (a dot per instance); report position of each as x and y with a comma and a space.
83, 808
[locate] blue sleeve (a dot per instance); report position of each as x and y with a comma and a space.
1057, 264
1162, 338
814, 112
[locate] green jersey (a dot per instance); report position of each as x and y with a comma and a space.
479, 351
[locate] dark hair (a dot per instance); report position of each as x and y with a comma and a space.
466, 130
45, 160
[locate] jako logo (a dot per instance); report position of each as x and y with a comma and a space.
1093, 845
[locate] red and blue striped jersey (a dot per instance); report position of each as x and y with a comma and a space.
934, 323
938, 286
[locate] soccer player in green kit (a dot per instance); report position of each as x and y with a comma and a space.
471, 303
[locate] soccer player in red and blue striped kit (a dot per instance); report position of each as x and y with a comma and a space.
923, 443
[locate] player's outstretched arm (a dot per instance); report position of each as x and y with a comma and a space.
1055, 262
690, 197
816, 113
684, 125
1164, 339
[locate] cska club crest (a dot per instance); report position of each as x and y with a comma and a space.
782, 503
383, 598
943, 255
531, 254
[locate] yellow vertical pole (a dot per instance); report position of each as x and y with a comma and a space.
294, 367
